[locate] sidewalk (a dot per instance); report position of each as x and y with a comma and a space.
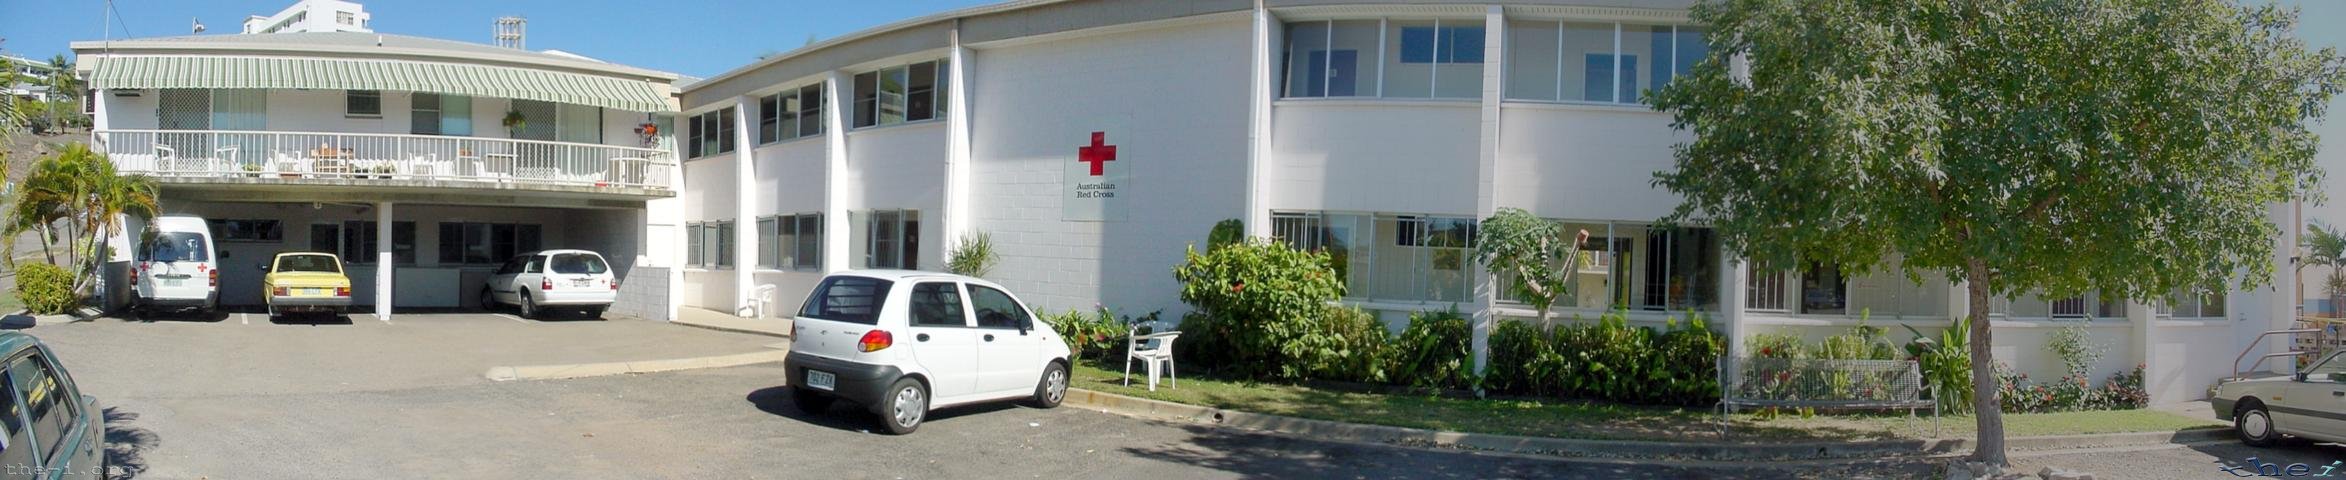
715, 320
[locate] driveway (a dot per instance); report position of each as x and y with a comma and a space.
241, 397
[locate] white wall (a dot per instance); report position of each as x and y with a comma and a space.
1388, 156
1584, 162
709, 196
1174, 102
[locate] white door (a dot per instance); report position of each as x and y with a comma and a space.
942, 340
501, 283
175, 265
533, 271
1006, 355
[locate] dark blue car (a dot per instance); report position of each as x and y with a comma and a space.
51, 429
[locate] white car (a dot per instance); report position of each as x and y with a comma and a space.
902, 343
538, 282
2310, 404
175, 268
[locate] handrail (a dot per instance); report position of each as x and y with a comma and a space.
388, 135
2238, 374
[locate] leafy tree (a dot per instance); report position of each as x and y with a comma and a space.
2129, 146
2325, 246
77, 195
11, 121
1535, 252
62, 85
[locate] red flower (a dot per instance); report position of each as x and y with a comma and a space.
1237, 287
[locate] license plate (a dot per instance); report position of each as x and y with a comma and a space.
581, 282
821, 380
171, 282
313, 291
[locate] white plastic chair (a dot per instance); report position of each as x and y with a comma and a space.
1154, 350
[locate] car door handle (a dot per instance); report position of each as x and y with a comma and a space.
921, 337
989, 337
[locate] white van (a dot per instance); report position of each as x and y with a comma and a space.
175, 266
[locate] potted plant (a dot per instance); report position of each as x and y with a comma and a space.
252, 170
514, 121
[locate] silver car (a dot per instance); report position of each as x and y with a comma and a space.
2310, 404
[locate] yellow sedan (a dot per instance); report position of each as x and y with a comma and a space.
306, 282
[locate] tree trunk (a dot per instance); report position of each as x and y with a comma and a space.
1990, 446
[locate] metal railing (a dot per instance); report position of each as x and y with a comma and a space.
362, 156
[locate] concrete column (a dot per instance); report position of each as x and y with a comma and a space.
1734, 281
957, 154
1486, 192
835, 224
1258, 146
384, 263
745, 195
2145, 322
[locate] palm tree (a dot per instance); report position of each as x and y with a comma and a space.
2325, 246
77, 194
11, 120
62, 84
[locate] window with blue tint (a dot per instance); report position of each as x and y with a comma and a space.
1600, 85
1442, 45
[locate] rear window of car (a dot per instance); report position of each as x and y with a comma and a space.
580, 263
847, 299
308, 263
175, 247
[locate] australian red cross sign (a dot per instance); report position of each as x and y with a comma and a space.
1096, 181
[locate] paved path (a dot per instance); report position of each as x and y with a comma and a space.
367, 400
2198, 460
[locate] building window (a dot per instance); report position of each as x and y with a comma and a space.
359, 245
362, 103
242, 230
792, 114
712, 133
469, 243
1403, 59
1597, 62
790, 242
892, 239
2184, 303
904, 93
345, 18
710, 244
724, 244
694, 244
1402, 258
424, 114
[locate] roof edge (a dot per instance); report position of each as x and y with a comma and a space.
1011, 5
137, 47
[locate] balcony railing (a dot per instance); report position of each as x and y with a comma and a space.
197, 154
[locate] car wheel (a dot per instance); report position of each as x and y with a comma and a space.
2254, 424
529, 309
905, 406
592, 313
1053, 388
810, 401
488, 299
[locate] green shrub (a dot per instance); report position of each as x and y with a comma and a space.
45, 289
1226, 232
1946, 363
1348, 345
1863, 342
973, 256
1608, 360
1434, 351
1264, 304
1098, 337
1776, 345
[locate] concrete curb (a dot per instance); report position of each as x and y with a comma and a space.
1616, 449
722, 328
547, 372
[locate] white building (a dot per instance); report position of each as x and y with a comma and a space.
1096, 140
313, 16
425, 163
32, 81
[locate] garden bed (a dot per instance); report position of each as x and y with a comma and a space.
1603, 421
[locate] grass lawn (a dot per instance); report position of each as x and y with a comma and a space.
9, 304
1602, 421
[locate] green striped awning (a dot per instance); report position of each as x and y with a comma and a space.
223, 72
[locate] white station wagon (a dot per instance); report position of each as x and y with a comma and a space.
901, 343
2310, 404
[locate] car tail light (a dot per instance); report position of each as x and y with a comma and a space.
875, 340
281, 291
545, 284
614, 285
215, 278
342, 291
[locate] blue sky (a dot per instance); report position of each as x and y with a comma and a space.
649, 34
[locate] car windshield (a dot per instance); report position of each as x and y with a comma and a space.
579, 263
309, 263
175, 247
847, 299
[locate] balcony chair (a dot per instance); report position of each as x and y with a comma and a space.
1154, 350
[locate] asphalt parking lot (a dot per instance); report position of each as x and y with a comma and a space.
238, 396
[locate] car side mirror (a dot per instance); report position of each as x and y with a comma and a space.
1026, 325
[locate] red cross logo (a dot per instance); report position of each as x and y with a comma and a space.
1098, 154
